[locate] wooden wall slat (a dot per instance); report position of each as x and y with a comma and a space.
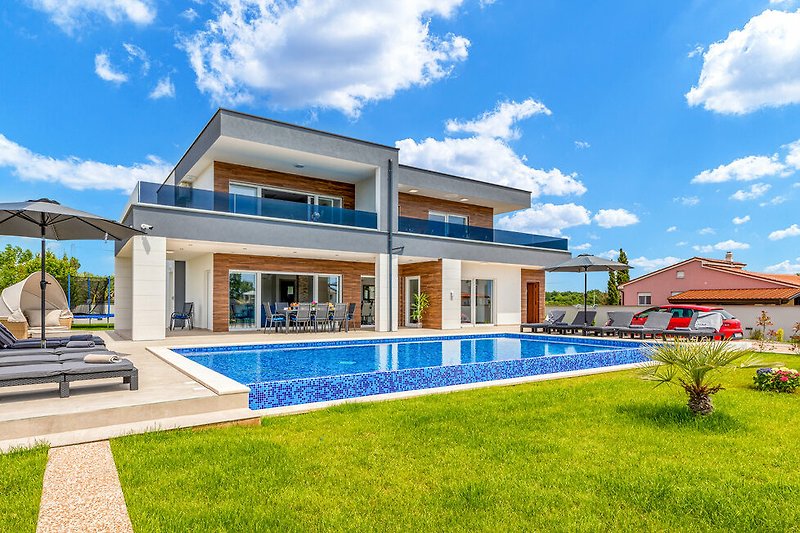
430, 282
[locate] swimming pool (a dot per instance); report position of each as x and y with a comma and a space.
307, 372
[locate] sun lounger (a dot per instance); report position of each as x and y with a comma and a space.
577, 323
655, 325
80, 371
553, 317
9, 341
616, 320
35, 374
701, 326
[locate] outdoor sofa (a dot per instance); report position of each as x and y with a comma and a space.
553, 317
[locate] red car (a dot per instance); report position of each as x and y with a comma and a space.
682, 314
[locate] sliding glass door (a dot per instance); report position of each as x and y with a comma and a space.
242, 300
477, 302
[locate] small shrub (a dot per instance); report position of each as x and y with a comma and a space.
779, 335
756, 335
776, 379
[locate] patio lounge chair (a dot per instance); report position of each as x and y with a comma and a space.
63, 373
655, 325
185, 316
616, 320
552, 318
9, 341
339, 317
577, 323
701, 326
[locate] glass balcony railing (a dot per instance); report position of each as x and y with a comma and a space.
169, 195
475, 233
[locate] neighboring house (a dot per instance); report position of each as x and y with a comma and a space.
259, 211
701, 280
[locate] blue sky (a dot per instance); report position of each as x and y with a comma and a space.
644, 125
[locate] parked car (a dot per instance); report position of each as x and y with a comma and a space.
682, 315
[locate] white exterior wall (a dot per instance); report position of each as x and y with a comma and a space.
149, 288
205, 180
123, 295
382, 293
507, 288
451, 294
199, 288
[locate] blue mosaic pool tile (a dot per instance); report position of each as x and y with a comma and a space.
311, 390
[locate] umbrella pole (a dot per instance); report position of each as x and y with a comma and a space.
43, 286
585, 290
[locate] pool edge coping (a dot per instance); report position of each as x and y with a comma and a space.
211, 379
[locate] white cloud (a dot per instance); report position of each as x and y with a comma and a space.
106, 71
611, 255
487, 159
706, 231
696, 51
190, 14
499, 123
546, 219
725, 246
748, 168
327, 53
649, 265
681, 243
69, 15
689, 201
757, 190
584, 246
785, 267
77, 173
136, 52
741, 220
793, 157
755, 67
582, 145
777, 200
615, 218
163, 89
791, 231
672, 229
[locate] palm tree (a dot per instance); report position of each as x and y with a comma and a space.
696, 368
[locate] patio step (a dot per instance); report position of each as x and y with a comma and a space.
33, 427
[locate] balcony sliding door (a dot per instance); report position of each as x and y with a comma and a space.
477, 302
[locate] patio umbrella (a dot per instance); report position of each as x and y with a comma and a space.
588, 263
47, 219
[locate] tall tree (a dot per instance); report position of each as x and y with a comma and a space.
623, 276
17, 263
613, 290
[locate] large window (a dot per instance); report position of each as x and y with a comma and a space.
448, 217
242, 300
286, 195
477, 305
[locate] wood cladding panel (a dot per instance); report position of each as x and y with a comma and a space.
530, 276
224, 173
350, 271
430, 282
415, 206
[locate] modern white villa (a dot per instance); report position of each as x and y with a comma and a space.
259, 211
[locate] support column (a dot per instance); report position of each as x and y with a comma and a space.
382, 302
451, 294
149, 288
123, 293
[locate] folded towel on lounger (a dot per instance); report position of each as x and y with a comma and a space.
102, 358
80, 344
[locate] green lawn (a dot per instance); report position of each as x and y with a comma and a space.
94, 326
21, 474
606, 452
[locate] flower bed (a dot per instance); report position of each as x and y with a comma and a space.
777, 379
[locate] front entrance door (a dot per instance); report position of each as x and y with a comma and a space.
532, 314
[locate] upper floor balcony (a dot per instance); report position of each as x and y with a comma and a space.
476, 233
221, 202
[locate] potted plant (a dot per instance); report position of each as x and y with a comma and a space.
418, 307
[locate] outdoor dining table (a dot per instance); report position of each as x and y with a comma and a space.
289, 311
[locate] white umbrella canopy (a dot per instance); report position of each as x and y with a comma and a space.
588, 263
47, 219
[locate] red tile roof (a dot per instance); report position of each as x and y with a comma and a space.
773, 295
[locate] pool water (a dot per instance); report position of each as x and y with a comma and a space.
292, 373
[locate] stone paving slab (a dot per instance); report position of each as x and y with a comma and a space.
81, 491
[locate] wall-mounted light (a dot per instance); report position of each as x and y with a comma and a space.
413, 190
464, 200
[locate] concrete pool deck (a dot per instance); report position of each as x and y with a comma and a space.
169, 398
